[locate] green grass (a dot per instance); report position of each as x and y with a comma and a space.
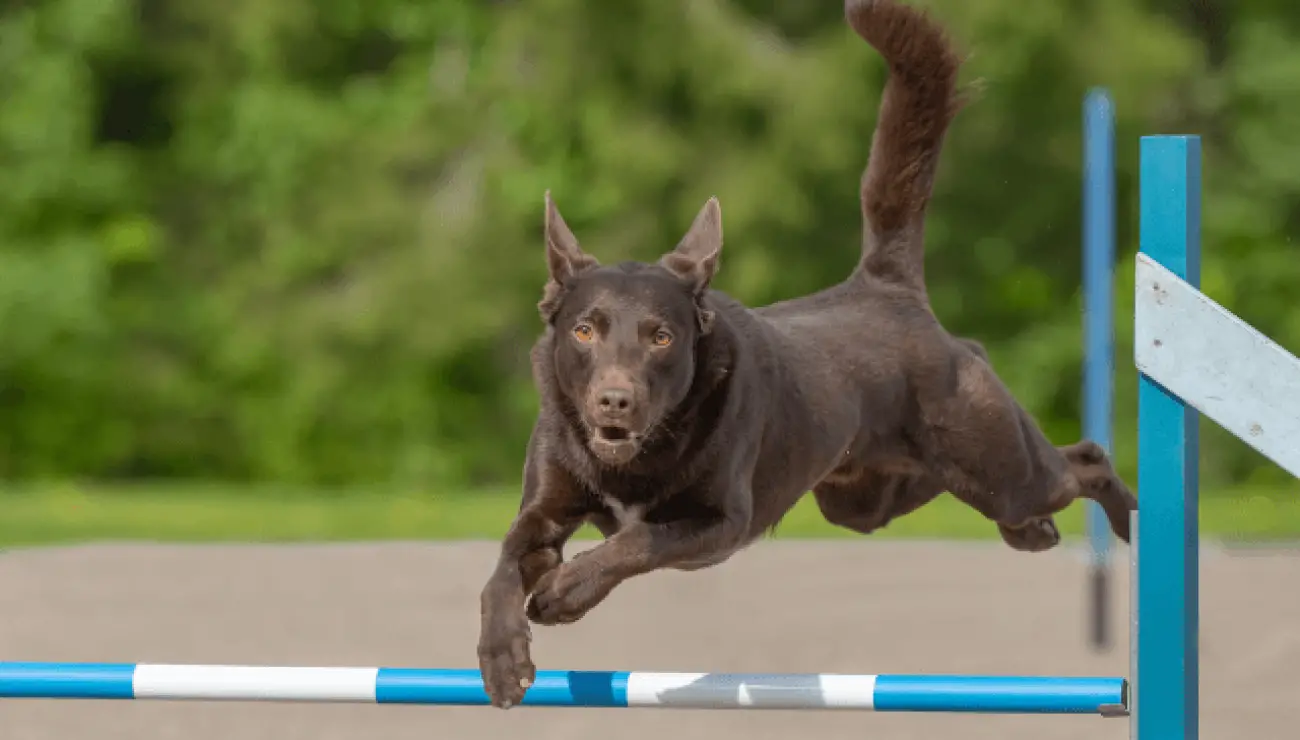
70, 515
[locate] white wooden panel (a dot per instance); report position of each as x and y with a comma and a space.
1218, 364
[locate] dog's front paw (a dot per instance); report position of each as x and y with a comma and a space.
565, 594
505, 662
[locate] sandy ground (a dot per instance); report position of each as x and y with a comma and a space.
865, 607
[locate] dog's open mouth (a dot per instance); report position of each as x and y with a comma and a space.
613, 434
615, 445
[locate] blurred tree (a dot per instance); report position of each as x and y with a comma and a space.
300, 241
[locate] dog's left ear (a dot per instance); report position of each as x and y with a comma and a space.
695, 259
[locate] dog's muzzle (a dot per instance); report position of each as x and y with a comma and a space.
613, 419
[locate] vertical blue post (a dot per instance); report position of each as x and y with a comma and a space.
1098, 329
1168, 592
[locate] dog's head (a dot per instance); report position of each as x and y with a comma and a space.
624, 337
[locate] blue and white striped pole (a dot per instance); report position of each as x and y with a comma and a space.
464, 687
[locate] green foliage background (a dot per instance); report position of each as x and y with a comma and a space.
298, 242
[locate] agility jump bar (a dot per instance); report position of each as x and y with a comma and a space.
463, 687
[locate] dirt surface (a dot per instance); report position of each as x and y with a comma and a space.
858, 607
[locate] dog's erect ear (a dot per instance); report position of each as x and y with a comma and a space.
695, 259
564, 258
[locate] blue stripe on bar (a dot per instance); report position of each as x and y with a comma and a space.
998, 694
453, 686
66, 680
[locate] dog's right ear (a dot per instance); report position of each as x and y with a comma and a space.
564, 258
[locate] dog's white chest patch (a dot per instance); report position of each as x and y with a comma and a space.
626, 515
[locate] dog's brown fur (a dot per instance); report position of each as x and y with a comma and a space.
684, 425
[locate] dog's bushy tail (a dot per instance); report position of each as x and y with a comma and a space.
919, 101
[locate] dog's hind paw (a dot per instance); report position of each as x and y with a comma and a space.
1036, 535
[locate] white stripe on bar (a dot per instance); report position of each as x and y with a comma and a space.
761, 691
254, 683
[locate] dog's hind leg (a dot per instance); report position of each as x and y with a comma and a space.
871, 499
1039, 533
993, 455
1035, 535
1097, 479
874, 500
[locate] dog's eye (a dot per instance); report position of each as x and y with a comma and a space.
662, 338
584, 332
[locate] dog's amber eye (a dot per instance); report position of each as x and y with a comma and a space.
662, 338
584, 332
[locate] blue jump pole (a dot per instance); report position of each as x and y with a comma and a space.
1168, 546
616, 689
1098, 330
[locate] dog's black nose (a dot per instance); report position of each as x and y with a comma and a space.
615, 401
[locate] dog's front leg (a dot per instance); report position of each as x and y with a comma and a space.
547, 518
568, 592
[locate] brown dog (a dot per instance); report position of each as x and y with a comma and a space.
684, 425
